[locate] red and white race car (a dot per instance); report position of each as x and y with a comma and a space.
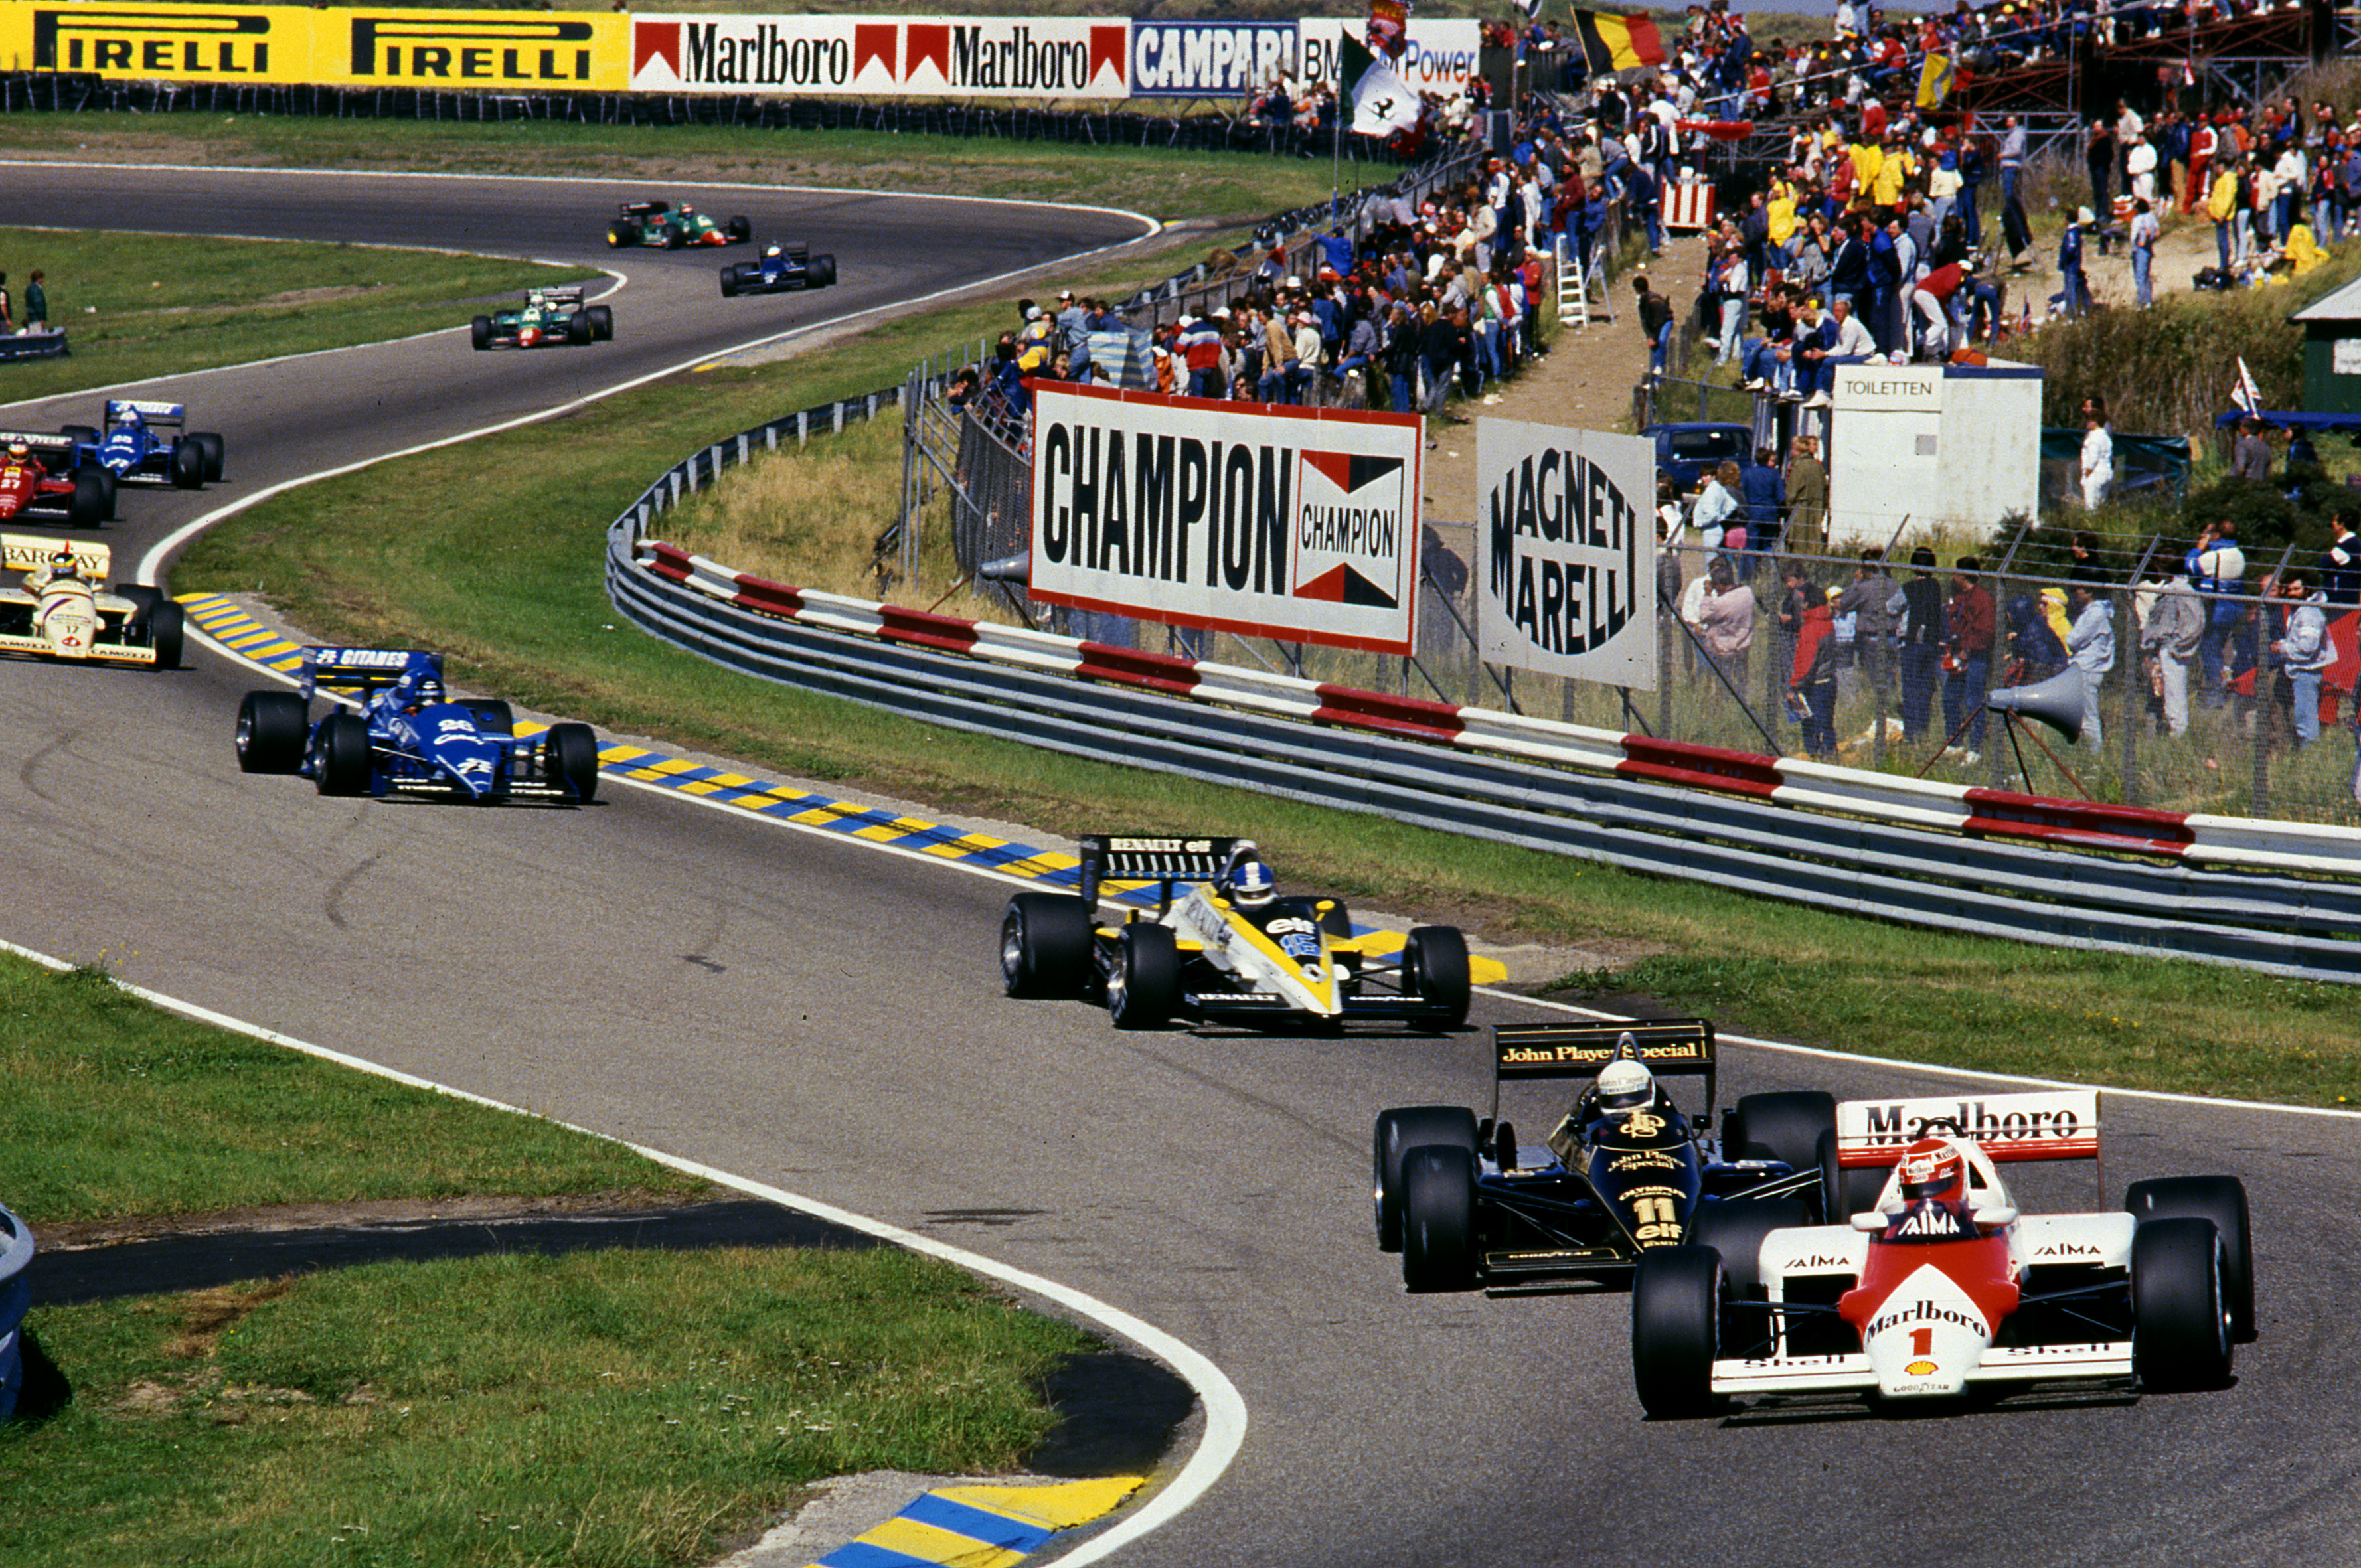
1939, 1286
38, 472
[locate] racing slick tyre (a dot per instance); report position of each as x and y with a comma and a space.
1045, 945
569, 755
1145, 988
1435, 971
602, 322
578, 329
1844, 1193
2223, 1200
340, 754
740, 231
93, 494
1676, 1331
483, 333
492, 714
2180, 1315
110, 487
1438, 1227
1735, 1227
620, 235
730, 282
188, 465
271, 729
80, 434
1787, 1128
820, 273
216, 453
167, 630
1399, 1132
143, 600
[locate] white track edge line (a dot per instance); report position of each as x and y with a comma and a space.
1226, 1410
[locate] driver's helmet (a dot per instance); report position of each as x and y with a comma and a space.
1933, 1171
18, 451
1624, 1086
63, 560
686, 211
424, 692
1251, 884
772, 252
131, 417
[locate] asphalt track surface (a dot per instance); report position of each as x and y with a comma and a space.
815, 1016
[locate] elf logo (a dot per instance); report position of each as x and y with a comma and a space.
436, 48
168, 41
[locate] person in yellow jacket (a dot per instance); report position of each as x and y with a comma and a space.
1894, 171
1036, 340
2303, 249
1780, 212
1868, 159
2222, 206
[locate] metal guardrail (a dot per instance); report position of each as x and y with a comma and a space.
1825, 856
16, 1295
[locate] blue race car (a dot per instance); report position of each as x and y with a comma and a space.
409, 736
150, 443
782, 268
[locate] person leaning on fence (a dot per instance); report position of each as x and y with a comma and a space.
2090, 649
2168, 641
1726, 623
1968, 629
2304, 651
2216, 569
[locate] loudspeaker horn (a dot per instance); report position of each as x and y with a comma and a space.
2057, 702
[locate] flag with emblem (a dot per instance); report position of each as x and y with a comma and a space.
1382, 102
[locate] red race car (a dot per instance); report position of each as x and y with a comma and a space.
86, 494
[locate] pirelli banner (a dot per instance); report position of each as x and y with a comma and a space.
1300, 524
284, 44
882, 57
1566, 552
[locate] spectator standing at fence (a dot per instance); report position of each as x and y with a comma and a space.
37, 303
7, 325
2167, 640
2074, 285
2217, 570
1655, 324
1726, 623
2090, 649
2222, 206
2098, 473
2098, 156
1400, 357
1812, 666
2340, 564
1921, 643
1764, 492
2142, 238
1967, 653
1874, 602
1720, 511
1807, 499
1200, 350
2250, 455
2305, 653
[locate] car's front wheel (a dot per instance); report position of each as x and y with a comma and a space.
2180, 1318
272, 728
1398, 1133
1438, 1203
1435, 973
1676, 1331
569, 755
1144, 989
340, 754
1045, 945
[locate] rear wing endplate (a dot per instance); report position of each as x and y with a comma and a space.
358, 672
32, 551
1681, 1047
1112, 857
2050, 1123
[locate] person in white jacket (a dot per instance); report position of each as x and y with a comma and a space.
2305, 651
2090, 648
2098, 455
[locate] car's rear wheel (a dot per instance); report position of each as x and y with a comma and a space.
602, 322
167, 630
2222, 1200
578, 329
2180, 1318
1398, 1133
216, 453
1435, 971
730, 282
272, 728
188, 465
569, 755
87, 508
820, 273
1144, 987
1438, 1188
623, 234
1735, 1227
1676, 1331
483, 333
340, 754
741, 230
1786, 1127
80, 434
492, 716
1045, 945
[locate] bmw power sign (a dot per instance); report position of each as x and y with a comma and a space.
1566, 552
1300, 524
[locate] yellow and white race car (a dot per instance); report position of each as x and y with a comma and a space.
1220, 945
60, 607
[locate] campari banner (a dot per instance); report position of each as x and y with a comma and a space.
1300, 524
1566, 552
882, 57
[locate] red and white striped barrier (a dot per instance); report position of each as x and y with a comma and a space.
1798, 782
1688, 204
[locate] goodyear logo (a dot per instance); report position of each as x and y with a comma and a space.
162, 41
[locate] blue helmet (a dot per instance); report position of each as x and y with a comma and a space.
1251, 883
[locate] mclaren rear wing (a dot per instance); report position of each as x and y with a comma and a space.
1681, 1047
1162, 862
2043, 1124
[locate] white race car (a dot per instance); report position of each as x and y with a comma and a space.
1938, 1285
61, 608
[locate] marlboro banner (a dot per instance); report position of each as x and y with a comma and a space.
1565, 556
1300, 524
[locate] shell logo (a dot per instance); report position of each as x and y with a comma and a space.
1921, 1369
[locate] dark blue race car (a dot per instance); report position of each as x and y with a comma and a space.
150, 443
782, 268
409, 736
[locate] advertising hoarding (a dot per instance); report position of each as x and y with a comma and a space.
1566, 552
1208, 60
1300, 524
1441, 56
882, 57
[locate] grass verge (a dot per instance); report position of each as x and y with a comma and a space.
138, 306
625, 1408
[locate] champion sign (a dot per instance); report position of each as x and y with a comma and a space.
1297, 524
1566, 552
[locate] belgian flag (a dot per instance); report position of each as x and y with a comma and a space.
1617, 43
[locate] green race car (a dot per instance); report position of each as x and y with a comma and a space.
669, 227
